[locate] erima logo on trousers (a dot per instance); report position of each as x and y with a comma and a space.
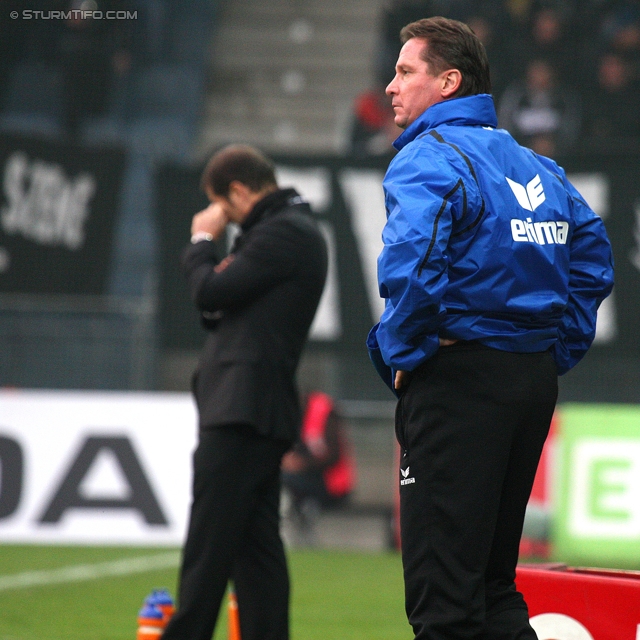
531, 197
405, 480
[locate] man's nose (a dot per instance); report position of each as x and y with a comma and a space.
390, 90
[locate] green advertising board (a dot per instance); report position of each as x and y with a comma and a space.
597, 504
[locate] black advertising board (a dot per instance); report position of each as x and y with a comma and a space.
620, 173
58, 205
179, 197
353, 207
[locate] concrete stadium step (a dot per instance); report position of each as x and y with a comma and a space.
308, 84
344, 529
357, 9
274, 106
275, 136
330, 47
285, 74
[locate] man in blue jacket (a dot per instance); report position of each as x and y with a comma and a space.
492, 270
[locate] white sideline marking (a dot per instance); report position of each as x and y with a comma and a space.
79, 572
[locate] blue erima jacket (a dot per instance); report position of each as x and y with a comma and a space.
485, 240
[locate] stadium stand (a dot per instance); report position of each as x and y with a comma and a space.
540, 112
284, 74
567, 40
33, 100
612, 104
152, 108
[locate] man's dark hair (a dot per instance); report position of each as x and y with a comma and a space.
452, 45
238, 162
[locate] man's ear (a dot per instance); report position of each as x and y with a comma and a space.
236, 188
451, 81
238, 192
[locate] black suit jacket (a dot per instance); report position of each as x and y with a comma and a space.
258, 310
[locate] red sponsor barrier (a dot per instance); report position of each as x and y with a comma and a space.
568, 603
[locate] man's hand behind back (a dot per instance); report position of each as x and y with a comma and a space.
403, 377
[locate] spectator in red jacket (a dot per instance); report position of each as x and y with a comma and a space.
373, 128
319, 471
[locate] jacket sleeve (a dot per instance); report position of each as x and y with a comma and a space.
423, 198
269, 256
590, 282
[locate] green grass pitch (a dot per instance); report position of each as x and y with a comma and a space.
335, 594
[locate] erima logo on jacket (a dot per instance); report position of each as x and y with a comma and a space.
530, 198
405, 479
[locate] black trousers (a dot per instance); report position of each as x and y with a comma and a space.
234, 534
471, 424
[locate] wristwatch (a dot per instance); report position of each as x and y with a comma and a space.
199, 236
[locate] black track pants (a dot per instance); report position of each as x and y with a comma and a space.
471, 424
234, 534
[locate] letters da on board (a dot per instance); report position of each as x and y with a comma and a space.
92, 468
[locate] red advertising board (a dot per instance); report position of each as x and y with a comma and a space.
568, 603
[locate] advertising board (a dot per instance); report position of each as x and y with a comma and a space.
95, 468
597, 511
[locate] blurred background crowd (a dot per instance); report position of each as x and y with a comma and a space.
564, 72
108, 79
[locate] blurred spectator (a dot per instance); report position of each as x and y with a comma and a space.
490, 22
621, 27
319, 472
550, 37
611, 109
620, 32
518, 10
92, 53
539, 112
152, 27
12, 42
373, 128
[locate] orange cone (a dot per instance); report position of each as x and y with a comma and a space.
234, 617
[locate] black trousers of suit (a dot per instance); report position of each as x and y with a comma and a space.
471, 424
234, 534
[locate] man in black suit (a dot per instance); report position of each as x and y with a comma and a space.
258, 304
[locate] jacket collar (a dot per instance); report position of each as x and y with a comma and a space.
470, 110
270, 205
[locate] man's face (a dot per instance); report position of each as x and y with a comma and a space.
237, 204
414, 89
